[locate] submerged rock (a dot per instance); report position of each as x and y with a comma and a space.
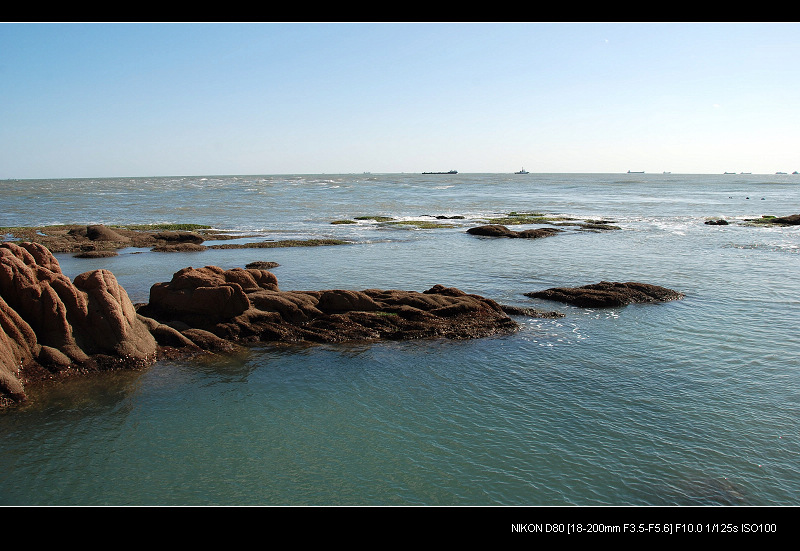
608, 294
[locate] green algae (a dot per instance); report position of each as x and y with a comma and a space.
422, 224
518, 218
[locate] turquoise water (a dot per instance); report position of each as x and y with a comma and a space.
692, 402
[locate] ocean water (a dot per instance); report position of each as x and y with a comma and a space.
690, 402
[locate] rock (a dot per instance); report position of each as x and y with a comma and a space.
98, 232
791, 220
262, 265
337, 301
96, 254
716, 222
18, 349
51, 325
608, 294
530, 312
207, 295
497, 230
537, 233
179, 248
769, 220
209, 341
178, 237
248, 306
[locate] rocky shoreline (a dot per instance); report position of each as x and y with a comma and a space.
98, 240
52, 327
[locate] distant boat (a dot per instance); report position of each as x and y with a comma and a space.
636, 172
780, 173
448, 172
729, 173
745, 173
795, 172
665, 172
523, 171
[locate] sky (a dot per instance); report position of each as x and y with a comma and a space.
87, 100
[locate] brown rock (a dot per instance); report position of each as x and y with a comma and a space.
791, 220
110, 325
337, 301
497, 230
178, 237
262, 265
96, 254
99, 232
531, 312
335, 315
199, 296
179, 248
608, 294
51, 325
18, 349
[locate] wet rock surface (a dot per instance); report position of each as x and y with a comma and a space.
608, 294
791, 220
498, 230
51, 324
52, 327
246, 305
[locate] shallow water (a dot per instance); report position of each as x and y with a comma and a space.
691, 402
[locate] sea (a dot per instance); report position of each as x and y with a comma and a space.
693, 402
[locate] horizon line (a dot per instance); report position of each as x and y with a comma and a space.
367, 173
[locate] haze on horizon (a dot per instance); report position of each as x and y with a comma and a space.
163, 99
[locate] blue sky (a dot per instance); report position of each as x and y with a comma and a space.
163, 99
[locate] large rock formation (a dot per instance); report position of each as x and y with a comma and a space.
52, 327
51, 324
607, 294
244, 305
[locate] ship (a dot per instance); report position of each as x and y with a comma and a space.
636, 172
523, 171
448, 172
